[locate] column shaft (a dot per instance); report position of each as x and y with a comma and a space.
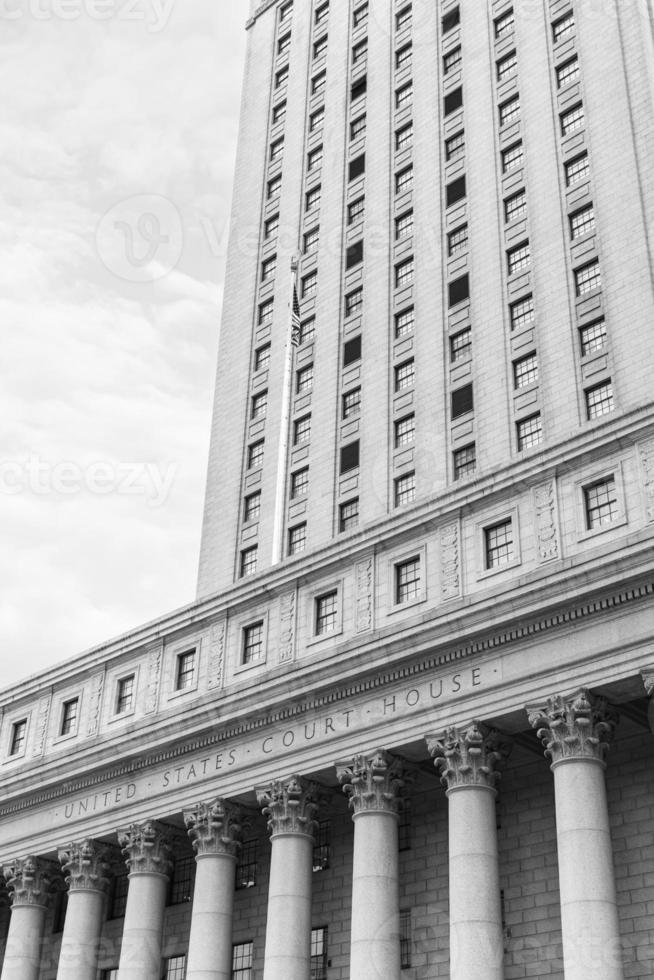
140, 952
78, 959
375, 941
24, 943
288, 928
210, 941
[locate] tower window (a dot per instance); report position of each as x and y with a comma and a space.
248, 561
572, 120
563, 27
405, 431
499, 544
318, 83
405, 375
601, 503
351, 403
577, 170
515, 206
587, 278
304, 380
358, 127
252, 508
125, 695
302, 430
403, 18
457, 240
326, 613
348, 515
455, 145
297, 539
512, 157
455, 191
404, 96
592, 337
509, 110
451, 60
354, 255
525, 371
599, 400
582, 222
299, 483
357, 167
404, 272
259, 405
404, 180
352, 351
465, 461
252, 643
504, 25
18, 737
255, 454
356, 210
453, 101
462, 401
530, 432
404, 322
518, 258
69, 717
506, 67
349, 457
451, 20
461, 345
522, 313
358, 88
458, 290
567, 72
185, 673
405, 489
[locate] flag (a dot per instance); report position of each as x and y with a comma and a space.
295, 318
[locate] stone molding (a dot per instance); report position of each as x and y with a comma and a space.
85, 866
214, 828
468, 756
647, 673
290, 806
373, 782
579, 726
29, 881
147, 848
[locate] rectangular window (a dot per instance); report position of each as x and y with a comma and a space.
403, 18
274, 187
405, 431
118, 901
326, 613
404, 180
601, 503
572, 120
320, 47
351, 403
348, 515
314, 159
248, 561
405, 375
360, 15
271, 227
299, 483
404, 95
318, 83
451, 20
404, 225
354, 254
587, 278
312, 200
318, 964
297, 539
268, 268
181, 886
404, 322
512, 157
259, 405
242, 962
321, 15
465, 461
322, 841
279, 113
284, 43
301, 430
404, 272
453, 101
262, 357
461, 401
276, 150
358, 89
518, 258
457, 240
403, 57
458, 290
568, 72
530, 432
563, 27
461, 345
353, 301
252, 643
18, 736
455, 191
309, 284
407, 580
506, 67
504, 25
522, 313
307, 330
515, 206
349, 457
281, 77
356, 210
582, 222
111, 974
266, 311
592, 337
246, 869
455, 145
499, 544
358, 127
352, 351
69, 717
525, 371
304, 380
599, 400
405, 939
405, 489
451, 60
576, 170
316, 120
404, 137
185, 674
357, 167
125, 695
359, 51
509, 111
285, 12
255, 454
252, 508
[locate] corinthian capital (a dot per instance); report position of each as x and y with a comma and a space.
647, 673
372, 782
29, 880
85, 866
576, 727
214, 828
146, 848
290, 805
467, 757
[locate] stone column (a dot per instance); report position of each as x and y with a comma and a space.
214, 829
575, 732
28, 880
372, 783
290, 806
85, 868
466, 759
147, 851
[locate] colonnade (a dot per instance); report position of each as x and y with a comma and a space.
575, 732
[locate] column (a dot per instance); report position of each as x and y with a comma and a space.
28, 880
85, 868
467, 759
575, 731
214, 829
373, 783
290, 806
147, 851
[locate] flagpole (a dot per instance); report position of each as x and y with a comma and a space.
292, 338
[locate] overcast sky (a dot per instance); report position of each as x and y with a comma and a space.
118, 127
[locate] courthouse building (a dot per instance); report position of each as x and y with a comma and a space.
403, 731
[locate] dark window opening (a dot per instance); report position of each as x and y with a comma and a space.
462, 401
352, 350
349, 457
455, 191
458, 290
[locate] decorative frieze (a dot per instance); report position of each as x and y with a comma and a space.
217, 654
468, 756
372, 782
95, 700
154, 675
287, 627
579, 726
290, 805
646, 452
147, 848
214, 828
450, 563
85, 866
364, 572
546, 524
29, 880
41, 725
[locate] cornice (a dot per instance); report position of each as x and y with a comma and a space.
261, 9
